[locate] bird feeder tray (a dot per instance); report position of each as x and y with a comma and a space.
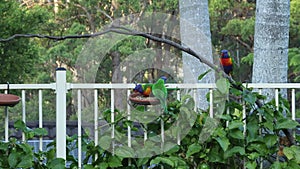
137, 98
9, 100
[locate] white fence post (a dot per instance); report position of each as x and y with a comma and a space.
61, 125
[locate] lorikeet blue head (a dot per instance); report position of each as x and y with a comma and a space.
224, 54
138, 88
164, 78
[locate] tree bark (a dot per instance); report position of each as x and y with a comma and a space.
271, 41
195, 34
117, 78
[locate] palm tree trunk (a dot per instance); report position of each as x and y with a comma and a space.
195, 33
271, 41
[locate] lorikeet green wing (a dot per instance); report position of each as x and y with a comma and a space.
147, 89
159, 90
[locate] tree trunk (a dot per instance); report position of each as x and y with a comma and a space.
117, 78
271, 40
195, 34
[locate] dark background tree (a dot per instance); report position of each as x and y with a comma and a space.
21, 58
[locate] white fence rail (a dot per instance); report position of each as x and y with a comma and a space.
61, 88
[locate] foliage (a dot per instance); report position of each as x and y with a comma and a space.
30, 60
294, 24
248, 59
229, 146
17, 154
231, 26
25, 52
294, 61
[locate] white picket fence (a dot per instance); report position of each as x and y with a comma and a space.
61, 88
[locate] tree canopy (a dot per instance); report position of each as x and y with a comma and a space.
232, 27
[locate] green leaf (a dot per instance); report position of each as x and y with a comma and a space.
216, 155
269, 125
223, 85
253, 155
51, 154
164, 160
276, 165
57, 163
252, 127
125, 151
248, 59
179, 163
103, 165
235, 91
203, 74
114, 161
235, 124
293, 164
13, 159
171, 148
26, 162
289, 153
25, 147
270, 140
236, 133
260, 147
3, 146
142, 161
286, 124
224, 142
105, 142
40, 132
192, 149
235, 150
220, 132
292, 153
249, 97
90, 166
20, 125
188, 102
251, 164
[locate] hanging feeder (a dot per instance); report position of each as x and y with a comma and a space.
138, 98
9, 99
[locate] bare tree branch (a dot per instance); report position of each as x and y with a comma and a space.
58, 38
126, 31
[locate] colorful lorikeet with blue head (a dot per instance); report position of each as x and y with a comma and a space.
158, 90
146, 89
226, 62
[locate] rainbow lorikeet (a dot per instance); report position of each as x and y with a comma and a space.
146, 89
159, 90
226, 62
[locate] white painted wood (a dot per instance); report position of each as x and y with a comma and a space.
61, 127
23, 111
41, 118
79, 126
